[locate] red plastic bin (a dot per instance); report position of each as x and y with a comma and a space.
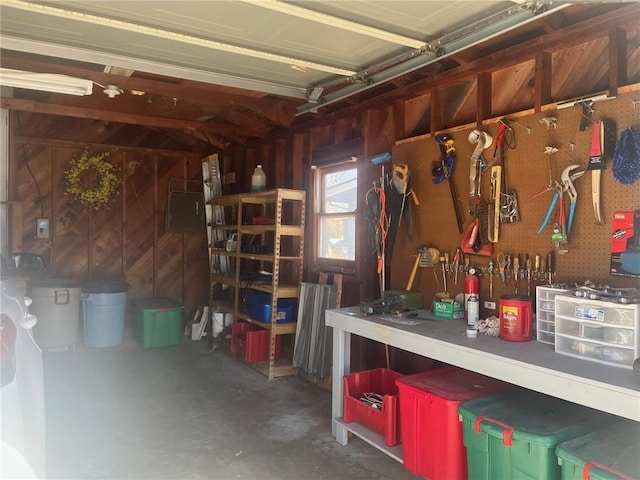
432, 435
253, 341
385, 421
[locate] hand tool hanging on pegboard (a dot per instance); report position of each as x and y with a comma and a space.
601, 140
443, 170
476, 238
398, 191
509, 210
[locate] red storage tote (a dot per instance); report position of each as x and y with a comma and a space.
253, 341
385, 421
432, 435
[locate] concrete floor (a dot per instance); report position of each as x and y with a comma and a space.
183, 412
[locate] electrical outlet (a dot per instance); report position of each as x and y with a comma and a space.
489, 305
42, 228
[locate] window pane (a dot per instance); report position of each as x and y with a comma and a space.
337, 237
340, 191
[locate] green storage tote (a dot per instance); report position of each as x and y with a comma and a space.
514, 434
612, 453
157, 322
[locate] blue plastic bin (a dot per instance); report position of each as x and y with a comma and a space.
259, 308
104, 304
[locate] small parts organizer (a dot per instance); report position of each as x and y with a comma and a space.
545, 313
599, 331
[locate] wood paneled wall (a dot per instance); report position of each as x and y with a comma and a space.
127, 238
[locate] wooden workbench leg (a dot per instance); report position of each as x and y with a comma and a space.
341, 366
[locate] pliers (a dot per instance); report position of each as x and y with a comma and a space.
567, 184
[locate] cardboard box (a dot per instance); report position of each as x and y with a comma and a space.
448, 310
625, 244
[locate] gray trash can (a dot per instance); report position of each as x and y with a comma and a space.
56, 303
104, 305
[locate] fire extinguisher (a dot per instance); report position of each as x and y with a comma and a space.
471, 287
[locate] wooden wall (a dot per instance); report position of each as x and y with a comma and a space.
127, 238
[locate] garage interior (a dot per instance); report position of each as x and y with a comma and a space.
298, 88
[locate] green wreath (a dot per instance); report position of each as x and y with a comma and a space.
104, 178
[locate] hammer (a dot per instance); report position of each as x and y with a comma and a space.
420, 255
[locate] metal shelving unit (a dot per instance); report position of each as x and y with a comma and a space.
283, 237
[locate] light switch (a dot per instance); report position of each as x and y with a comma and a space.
42, 228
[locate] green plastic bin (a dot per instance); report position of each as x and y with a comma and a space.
612, 453
157, 322
515, 434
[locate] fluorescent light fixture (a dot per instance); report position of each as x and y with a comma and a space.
45, 82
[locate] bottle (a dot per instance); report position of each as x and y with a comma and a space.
258, 179
471, 287
473, 313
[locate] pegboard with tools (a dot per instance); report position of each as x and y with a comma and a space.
537, 150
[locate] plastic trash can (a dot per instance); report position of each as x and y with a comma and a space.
104, 304
56, 303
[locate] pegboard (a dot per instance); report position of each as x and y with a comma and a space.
527, 172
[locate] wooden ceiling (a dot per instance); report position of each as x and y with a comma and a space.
184, 114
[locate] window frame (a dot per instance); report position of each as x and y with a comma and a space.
322, 264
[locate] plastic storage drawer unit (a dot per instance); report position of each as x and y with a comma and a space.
385, 420
432, 441
157, 322
515, 434
607, 454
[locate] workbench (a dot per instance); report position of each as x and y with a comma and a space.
532, 365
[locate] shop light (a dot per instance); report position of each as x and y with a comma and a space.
45, 82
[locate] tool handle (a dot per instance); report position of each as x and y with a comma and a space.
549, 212
572, 210
412, 277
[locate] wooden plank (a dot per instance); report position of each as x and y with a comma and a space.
110, 116
617, 59
542, 79
484, 97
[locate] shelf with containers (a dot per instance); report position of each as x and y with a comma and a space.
596, 330
267, 262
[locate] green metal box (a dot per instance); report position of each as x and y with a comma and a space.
402, 299
515, 434
157, 322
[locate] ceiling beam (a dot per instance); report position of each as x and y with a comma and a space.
94, 114
49, 142
624, 17
446, 46
139, 64
280, 112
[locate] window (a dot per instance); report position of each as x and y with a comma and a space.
337, 202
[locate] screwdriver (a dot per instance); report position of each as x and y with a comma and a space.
516, 271
490, 271
527, 263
